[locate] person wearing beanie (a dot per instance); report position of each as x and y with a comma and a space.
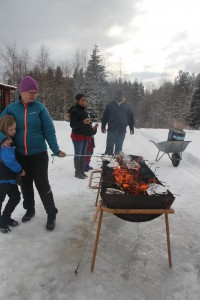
28, 84
117, 115
35, 129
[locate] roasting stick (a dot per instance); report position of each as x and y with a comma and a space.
88, 237
73, 155
85, 246
100, 155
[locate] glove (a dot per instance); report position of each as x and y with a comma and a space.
61, 154
103, 130
132, 131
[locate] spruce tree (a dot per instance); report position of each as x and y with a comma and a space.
95, 83
194, 119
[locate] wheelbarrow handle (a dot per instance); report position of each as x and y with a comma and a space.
154, 143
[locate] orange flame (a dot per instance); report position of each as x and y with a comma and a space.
128, 179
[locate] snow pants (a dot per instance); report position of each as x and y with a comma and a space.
36, 169
14, 198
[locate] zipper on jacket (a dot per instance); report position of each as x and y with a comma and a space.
25, 129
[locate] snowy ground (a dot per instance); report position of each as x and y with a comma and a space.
131, 261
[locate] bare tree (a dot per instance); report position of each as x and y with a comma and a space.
80, 60
43, 63
24, 65
10, 58
16, 64
66, 68
43, 59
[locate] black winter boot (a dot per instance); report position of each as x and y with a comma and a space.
78, 172
11, 222
28, 215
4, 226
51, 222
82, 162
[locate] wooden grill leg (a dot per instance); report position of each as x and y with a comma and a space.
168, 240
96, 240
97, 196
98, 192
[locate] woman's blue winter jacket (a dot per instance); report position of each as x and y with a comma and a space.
34, 126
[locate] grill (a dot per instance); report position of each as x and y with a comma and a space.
128, 200
135, 205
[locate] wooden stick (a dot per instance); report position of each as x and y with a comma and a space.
98, 192
96, 213
138, 211
168, 240
96, 240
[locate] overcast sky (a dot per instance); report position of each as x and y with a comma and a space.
146, 39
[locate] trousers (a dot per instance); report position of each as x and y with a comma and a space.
14, 198
36, 169
114, 142
80, 148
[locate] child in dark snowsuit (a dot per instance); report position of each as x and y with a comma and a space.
9, 169
90, 148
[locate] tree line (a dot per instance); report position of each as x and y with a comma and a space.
176, 103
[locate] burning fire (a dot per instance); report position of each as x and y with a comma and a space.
128, 179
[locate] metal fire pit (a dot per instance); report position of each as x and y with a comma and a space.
133, 201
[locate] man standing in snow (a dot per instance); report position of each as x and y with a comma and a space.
118, 115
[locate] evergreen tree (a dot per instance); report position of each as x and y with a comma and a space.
78, 78
95, 83
194, 118
182, 95
164, 106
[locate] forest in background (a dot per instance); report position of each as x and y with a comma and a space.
175, 103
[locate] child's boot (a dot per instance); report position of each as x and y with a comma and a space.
3, 226
11, 222
86, 166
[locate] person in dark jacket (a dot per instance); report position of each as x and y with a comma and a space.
9, 170
117, 115
80, 123
34, 128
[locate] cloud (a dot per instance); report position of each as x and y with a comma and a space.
67, 22
147, 76
145, 38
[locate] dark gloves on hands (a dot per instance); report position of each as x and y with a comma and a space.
61, 154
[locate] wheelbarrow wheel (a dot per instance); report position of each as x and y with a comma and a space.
176, 159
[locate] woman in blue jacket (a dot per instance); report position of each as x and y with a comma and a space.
34, 128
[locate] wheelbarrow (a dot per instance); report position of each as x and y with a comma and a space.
173, 149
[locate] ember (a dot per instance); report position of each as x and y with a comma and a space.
128, 180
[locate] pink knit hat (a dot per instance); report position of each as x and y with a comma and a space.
28, 84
